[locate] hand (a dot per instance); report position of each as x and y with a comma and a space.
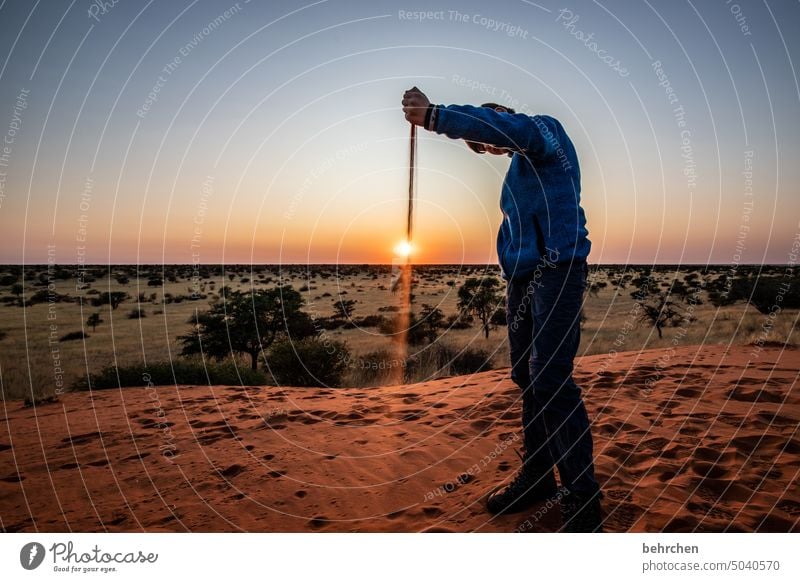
415, 104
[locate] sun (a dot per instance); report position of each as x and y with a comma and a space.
403, 249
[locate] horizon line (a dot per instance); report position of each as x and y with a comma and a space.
356, 264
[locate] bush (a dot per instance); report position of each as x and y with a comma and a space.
171, 373
47, 296
434, 361
369, 321
440, 359
137, 313
112, 298
7, 280
458, 321
373, 368
308, 362
470, 361
73, 335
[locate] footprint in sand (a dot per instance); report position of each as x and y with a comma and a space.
136, 457
689, 391
153, 423
482, 424
432, 511
622, 517
408, 415
318, 522
232, 471
98, 463
682, 523
742, 394
655, 444
706, 469
204, 423
78, 439
605, 379
773, 419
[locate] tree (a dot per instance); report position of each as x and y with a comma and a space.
113, 298
480, 298
431, 321
17, 289
657, 307
249, 323
343, 309
94, 320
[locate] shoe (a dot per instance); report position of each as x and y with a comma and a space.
581, 514
525, 490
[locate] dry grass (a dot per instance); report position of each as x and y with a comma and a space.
28, 357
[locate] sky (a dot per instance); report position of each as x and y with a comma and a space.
193, 131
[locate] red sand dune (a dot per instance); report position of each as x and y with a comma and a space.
693, 441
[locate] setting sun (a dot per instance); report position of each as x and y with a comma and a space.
403, 248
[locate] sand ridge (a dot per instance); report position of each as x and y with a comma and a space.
702, 440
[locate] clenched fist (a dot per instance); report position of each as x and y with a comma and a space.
415, 104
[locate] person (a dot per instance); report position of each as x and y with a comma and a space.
542, 249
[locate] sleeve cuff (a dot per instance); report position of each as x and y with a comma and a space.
431, 116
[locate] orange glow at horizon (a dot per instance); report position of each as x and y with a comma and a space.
403, 249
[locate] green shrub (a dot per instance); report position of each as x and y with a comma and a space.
137, 313
375, 368
308, 362
440, 359
369, 321
73, 335
379, 368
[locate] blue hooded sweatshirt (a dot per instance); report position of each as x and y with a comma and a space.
543, 222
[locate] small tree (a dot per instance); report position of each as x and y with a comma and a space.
112, 298
658, 308
137, 313
344, 308
480, 298
249, 323
94, 320
431, 320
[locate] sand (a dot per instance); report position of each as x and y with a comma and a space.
695, 439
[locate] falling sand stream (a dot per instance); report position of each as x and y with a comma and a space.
404, 275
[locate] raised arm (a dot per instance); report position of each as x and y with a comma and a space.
537, 136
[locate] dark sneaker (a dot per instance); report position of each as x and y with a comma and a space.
581, 514
525, 490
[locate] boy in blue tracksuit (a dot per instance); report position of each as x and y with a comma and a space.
542, 247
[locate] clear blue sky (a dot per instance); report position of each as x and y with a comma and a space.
273, 132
